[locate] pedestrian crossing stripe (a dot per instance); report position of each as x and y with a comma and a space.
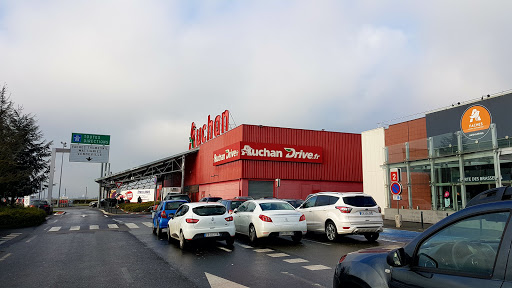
113, 226
148, 224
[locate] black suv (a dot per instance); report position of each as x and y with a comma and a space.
470, 248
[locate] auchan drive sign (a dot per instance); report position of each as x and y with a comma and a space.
214, 128
267, 152
475, 122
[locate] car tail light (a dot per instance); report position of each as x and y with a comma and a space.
342, 258
163, 215
302, 218
190, 220
230, 211
380, 210
265, 218
230, 218
32, 206
344, 209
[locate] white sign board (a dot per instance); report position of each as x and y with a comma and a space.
89, 153
397, 197
145, 195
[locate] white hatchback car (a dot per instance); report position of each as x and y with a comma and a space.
339, 213
266, 217
201, 220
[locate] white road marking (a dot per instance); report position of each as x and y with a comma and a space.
74, 228
277, 255
149, 224
225, 249
296, 260
132, 225
316, 267
263, 250
2, 242
94, 227
105, 216
113, 226
16, 234
245, 246
54, 229
326, 244
217, 282
5, 257
29, 240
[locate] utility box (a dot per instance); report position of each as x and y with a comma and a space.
398, 220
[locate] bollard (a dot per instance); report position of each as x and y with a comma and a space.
398, 220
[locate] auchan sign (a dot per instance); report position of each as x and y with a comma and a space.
213, 128
475, 122
267, 152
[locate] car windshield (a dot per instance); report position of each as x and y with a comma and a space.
276, 206
209, 210
172, 205
360, 201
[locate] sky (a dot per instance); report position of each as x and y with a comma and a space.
143, 71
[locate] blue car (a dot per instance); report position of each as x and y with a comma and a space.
163, 213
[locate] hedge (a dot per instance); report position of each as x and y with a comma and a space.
21, 217
136, 207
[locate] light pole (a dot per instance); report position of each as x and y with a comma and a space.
60, 177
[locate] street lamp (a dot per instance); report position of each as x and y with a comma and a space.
60, 177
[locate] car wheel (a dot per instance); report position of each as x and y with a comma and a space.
330, 231
371, 237
159, 232
297, 237
253, 237
154, 227
230, 241
183, 241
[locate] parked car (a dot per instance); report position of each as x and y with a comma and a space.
210, 199
201, 220
162, 214
269, 217
335, 213
244, 198
177, 197
294, 202
42, 204
231, 204
470, 248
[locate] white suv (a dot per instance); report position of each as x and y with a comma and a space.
337, 213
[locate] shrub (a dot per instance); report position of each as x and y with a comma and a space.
21, 217
136, 207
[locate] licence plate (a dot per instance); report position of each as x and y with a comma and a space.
212, 234
365, 213
286, 233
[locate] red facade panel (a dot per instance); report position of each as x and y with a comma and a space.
342, 155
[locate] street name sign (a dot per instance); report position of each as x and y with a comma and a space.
81, 138
89, 153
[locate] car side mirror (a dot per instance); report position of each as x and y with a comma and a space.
236, 210
397, 258
171, 216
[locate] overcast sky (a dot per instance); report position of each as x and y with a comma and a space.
142, 71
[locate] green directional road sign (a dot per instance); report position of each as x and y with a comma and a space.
82, 138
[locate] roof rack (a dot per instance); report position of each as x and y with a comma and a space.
493, 195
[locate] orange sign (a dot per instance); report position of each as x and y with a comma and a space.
475, 118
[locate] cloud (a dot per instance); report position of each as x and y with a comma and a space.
142, 71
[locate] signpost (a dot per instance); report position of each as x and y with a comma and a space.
89, 153
81, 138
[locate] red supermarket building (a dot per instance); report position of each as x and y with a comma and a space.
253, 160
